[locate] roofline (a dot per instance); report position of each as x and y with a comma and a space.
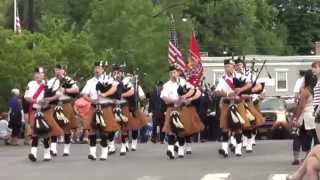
266, 57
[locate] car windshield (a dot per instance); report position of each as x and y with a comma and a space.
272, 104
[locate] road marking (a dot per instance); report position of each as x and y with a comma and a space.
149, 178
216, 176
278, 177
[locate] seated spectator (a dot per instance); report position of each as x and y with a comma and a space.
15, 116
5, 131
310, 167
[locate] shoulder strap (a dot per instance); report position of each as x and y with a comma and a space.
230, 83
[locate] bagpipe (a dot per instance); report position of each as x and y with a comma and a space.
41, 127
67, 82
59, 115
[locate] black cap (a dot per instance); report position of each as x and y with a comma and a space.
39, 70
101, 63
239, 60
228, 61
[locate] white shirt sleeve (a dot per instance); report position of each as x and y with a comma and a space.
27, 93
86, 88
298, 85
164, 92
141, 93
220, 85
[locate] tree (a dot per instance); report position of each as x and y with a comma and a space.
128, 30
302, 19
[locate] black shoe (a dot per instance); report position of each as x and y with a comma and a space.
123, 153
221, 151
46, 160
91, 157
176, 148
295, 162
65, 154
232, 148
32, 157
238, 155
180, 156
111, 152
53, 154
188, 152
170, 155
249, 151
154, 140
133, 149
103, 159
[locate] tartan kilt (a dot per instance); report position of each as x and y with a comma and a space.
136, 121
55, 129
260, 120
111, 124
71, 115
189, 118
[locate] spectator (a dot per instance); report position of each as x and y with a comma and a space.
298, 85
15, 116
310, 167
5, 131
157, 108
303, 119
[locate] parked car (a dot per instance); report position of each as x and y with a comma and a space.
276, 125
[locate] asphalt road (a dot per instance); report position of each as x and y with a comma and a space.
270, 160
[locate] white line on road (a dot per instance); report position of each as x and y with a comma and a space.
149, 178
278, 177
216, 176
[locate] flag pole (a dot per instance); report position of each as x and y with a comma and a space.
15, 15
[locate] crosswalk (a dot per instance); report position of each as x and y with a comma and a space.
220, 176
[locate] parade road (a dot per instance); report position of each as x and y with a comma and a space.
270, 160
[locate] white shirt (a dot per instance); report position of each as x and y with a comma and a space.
4, 129
223, 86
90, 88
298, 85
32, 88
170, 90
53, 83
127, 81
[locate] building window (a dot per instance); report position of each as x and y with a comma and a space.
282, 80
217, 74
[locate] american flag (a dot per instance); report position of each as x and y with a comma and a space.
174, 54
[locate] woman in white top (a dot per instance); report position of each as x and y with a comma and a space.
303, 118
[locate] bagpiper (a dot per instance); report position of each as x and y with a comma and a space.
100, 119
65, 90
41, 120
181, 118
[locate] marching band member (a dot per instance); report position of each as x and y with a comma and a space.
230, 117
41, 118
244, 84
100, 119
181, 118
66, 89
131, 93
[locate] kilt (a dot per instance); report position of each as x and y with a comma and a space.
189, 118
71, 115
225, 115
110, 121
136, 121
256, 113
55, 129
